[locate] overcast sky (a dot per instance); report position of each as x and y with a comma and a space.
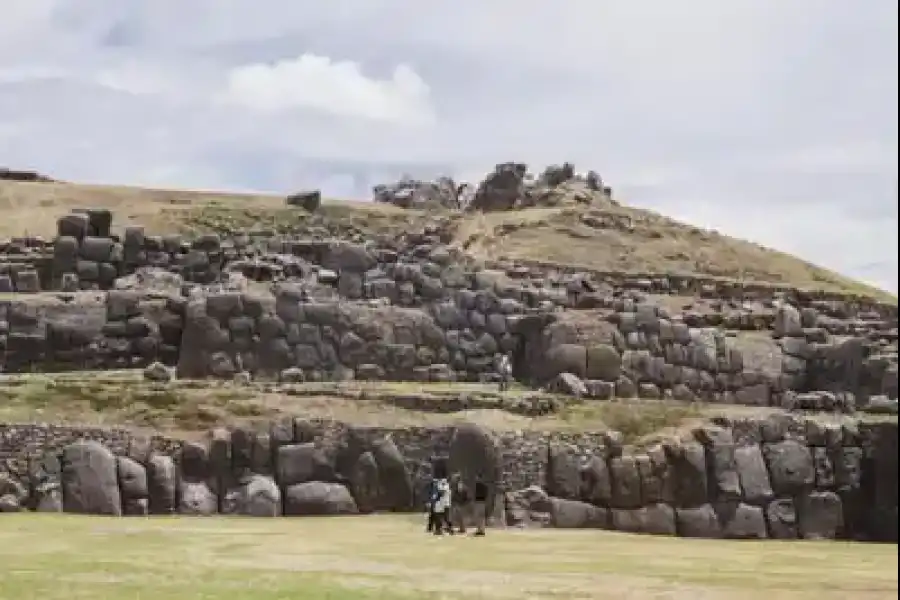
772, 120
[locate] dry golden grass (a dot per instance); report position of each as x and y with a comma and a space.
123, 399
637, 241
390, 557
184, 408
605, 238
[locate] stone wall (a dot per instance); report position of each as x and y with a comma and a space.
780, 477
94, 332
413, 307
634, 348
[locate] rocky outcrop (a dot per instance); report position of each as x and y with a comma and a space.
779, 477
412, 193
509, 186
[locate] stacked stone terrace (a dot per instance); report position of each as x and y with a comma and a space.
416, 308
780, 477
314, 306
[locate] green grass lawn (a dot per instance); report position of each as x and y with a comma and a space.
73, 557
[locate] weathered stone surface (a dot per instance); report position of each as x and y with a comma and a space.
820, 515
318, 498
563, 477
753, 474
256, 496
781, 515
689, 471
196, 498
302, 463
573, 514
699, 522
90, 480
741, 521
596, 483
133, 486
626, 482
396, 484
722, 465
365, 482
791, 467
655, 519
162, 485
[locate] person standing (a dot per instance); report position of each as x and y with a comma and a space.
461, 502
479, 507
430, 497
441, 506
504, 369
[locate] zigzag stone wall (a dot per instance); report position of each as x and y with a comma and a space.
779, 477
631, 348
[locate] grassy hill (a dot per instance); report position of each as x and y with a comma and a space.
609, 238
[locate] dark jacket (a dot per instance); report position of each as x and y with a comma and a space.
481, 491
459, 495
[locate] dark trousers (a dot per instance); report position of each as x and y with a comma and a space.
438, 522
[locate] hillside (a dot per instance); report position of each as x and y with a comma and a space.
607, 238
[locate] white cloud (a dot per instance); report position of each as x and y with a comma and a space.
765, 119
337, 87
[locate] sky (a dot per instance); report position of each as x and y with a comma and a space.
769, 120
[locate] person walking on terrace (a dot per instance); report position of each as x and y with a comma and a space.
504, 369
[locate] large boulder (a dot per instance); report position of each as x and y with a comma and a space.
133, 486
563, 475
721, 463
574, 514
655, 519
781, 515
820, 516
301, 463
753, 474
396, 484
742, 521
596, 484
90, 479
162, 484
791, 467
255, 496
319, 498
474, 453
698, 522
364, 482
688, 462
533, 507
308, 200
197, 498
